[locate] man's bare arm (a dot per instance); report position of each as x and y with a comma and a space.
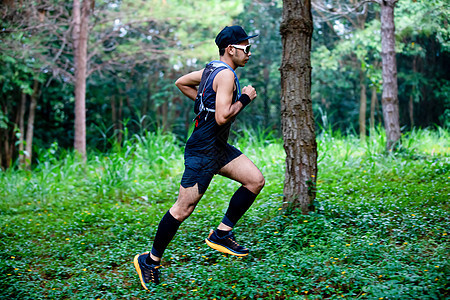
224, 86
188, 83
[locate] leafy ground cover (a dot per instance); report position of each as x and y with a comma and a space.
380, 229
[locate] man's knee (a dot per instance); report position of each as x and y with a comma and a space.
256, 183
181, 213
260, 182
186, 203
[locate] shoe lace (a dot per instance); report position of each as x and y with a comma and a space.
152, 274
233, 240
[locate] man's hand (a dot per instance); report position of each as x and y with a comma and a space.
250, 91
189, 82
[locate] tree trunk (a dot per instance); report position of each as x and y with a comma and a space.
120, 121
30, 125
80, 37
8, 155
389, 100
113, 112
144, 107
373, 106
411, 97
164, 111
23, 104
411, 108
362, 106
266, 113
5, 153
297, 118
130, 102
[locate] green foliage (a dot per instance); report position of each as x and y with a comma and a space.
137, 50
380, 229
346, 44
431, 16
262, 71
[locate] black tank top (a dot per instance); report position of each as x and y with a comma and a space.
208, 137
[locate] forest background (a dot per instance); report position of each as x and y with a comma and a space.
137, 49
70, 228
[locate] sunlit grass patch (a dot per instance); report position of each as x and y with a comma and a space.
433, 142
380, 229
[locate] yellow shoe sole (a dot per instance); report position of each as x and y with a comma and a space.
138, 270
223, 249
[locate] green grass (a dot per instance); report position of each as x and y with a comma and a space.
380, 230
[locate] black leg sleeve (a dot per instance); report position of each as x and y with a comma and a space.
239, 204
165, 233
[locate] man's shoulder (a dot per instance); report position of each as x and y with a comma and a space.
225, 75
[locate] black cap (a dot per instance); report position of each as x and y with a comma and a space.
231, 35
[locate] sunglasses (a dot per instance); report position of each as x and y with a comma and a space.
245, 48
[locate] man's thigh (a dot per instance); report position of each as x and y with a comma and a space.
243, 170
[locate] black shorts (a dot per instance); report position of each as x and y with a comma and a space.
201, 169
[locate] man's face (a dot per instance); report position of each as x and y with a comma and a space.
239, 57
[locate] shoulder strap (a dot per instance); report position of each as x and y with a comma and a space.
218, 66
217, 63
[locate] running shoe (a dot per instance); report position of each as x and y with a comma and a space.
147, 273
226, 244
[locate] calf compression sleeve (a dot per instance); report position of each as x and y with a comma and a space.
239, 204
165, 233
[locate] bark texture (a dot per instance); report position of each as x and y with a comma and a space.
80, 33
389, 99
362, 105
296, 106
411, 96
30, 125
373, 107
23, 103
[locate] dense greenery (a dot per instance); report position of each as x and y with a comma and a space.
380, 230
69, 230
139, 48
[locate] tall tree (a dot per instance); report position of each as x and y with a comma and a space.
422, 44
389, 100
30, 124
80, 33
297, 118
20, 76
390, 103
22, 128
354, 51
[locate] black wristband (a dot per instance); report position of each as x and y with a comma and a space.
244, 99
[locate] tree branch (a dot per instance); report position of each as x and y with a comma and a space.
326, 20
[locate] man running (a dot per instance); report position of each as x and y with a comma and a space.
218, 100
